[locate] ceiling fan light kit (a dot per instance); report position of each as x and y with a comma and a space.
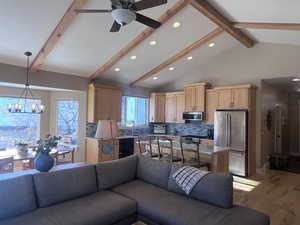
123, 16
125, 11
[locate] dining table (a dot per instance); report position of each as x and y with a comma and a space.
20, 156
30, 155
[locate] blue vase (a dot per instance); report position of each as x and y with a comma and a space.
43, 162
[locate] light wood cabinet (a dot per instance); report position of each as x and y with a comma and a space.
157, 107
96, 152
174, 107
195, 97
234, 97
180, 105
104, 103
211, 105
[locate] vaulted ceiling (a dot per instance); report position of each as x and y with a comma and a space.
86, 44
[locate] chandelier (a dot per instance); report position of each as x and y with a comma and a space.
25, 104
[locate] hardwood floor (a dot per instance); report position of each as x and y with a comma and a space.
275, 193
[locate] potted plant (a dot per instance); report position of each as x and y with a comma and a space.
44, 161
22, 146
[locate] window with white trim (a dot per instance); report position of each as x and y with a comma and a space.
134, 111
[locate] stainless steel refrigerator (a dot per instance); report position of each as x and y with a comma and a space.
230, 130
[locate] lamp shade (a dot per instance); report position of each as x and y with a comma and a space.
106, 129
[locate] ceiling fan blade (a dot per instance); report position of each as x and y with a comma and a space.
116, 4
146, 4
147, 21
93, 10
115, 27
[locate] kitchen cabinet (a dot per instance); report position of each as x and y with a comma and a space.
233, 97
104, 103
195, 97
98, 151
211, 104
157, 107
180, 106
174, 107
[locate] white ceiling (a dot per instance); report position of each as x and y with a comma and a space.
88, 44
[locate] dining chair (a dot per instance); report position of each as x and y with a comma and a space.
146, 145
192, 145
65, 155
167, 144
7, 165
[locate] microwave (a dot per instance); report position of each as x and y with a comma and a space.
159, 128
198, 116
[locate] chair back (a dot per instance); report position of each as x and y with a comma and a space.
7, 165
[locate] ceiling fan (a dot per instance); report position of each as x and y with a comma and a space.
125, 11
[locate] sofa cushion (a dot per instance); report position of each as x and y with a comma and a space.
164, 207
103, 208
214, 188
113, 173
63, 185
153, 171
16, 196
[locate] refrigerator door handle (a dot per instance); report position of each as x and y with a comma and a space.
226, 128
229, 130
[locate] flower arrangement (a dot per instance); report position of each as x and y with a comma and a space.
45, 146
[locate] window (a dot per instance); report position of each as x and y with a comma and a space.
134, 111
67, 120
18, 126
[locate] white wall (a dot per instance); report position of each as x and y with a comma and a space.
245, 65
81, 97
45, 99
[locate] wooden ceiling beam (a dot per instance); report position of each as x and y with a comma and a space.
213, 14
179, 55
180, 4
60, 28
267, 26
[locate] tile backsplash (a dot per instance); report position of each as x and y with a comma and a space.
199, 129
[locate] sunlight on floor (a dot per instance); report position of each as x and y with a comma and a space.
244, 184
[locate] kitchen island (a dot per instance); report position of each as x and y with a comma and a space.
218, 157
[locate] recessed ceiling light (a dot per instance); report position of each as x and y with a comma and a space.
176, 24
296, 79
190, 58
133, 57
171, 68
152, 43
298, 90
117, 69
155, 78
212, 44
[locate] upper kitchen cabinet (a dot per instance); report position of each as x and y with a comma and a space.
174, 107
104, 103
211, 105
195, 97
157, 107
234, 97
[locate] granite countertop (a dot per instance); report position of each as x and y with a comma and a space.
151, 135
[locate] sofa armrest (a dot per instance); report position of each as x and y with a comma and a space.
241, 215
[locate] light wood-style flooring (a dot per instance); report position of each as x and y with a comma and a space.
275, 193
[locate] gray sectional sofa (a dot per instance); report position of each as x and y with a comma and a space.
120, 192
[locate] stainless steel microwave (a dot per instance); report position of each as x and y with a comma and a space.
193, 116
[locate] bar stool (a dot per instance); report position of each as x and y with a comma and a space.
165, 143
192, 145
148, 142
